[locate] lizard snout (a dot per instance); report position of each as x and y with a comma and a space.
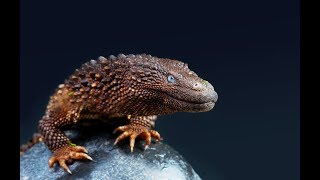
210, 94
215, 96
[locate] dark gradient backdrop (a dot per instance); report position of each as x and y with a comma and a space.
249, 51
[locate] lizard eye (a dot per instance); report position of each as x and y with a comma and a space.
171, 79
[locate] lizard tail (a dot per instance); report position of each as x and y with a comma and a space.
37, 137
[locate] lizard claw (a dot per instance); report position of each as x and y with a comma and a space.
65, 154
136, 131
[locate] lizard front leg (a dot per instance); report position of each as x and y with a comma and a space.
139, 126
61, 146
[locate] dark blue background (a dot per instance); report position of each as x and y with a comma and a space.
249, 50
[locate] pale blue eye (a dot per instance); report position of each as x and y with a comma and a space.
171, 79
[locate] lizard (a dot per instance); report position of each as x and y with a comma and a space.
137, 88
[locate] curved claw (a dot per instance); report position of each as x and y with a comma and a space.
132, 141
147, 137
80, 149
120, 128
121, 137
155, 134
64, 166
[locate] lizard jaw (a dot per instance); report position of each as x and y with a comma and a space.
180, 105
196, 107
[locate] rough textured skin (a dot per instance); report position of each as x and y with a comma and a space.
136, 88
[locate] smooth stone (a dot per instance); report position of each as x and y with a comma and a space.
159, 161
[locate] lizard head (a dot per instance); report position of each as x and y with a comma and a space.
168, 86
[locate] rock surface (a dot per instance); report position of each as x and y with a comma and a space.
159, 161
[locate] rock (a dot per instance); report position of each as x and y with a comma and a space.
159, 161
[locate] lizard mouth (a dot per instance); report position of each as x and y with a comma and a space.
195, 104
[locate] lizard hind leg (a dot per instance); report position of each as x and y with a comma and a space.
63, 150
139, 126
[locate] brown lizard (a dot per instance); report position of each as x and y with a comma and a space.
134, 87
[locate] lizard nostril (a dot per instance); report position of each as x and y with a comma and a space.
196, 86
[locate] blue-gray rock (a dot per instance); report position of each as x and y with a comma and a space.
159, 161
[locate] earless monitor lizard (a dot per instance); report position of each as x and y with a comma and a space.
136, 88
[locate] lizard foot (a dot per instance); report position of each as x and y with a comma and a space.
134, 131
67, 153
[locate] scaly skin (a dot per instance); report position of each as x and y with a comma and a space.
135, 87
